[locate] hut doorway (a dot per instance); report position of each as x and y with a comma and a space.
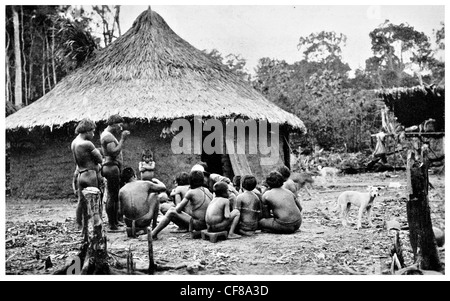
217, 163
214, 162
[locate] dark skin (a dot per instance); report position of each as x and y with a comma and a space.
137, 200
193, 206
219, 217
147, 167
285, 208
178, 193
249, 206
290, 185
112, 150
88, 159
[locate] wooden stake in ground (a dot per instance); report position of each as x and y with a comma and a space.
418, 210
96, 261
93, 256
151, 267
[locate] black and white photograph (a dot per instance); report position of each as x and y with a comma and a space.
213, 141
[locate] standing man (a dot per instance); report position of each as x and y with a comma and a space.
87, 158
112, 166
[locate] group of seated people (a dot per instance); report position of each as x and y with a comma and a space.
210, 201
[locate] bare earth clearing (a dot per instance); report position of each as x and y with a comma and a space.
43, 230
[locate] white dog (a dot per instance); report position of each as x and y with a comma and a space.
363, 200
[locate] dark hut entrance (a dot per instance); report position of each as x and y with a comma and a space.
217, 163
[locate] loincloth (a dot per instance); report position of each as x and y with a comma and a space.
111, 163
198, 224
290, 226
141, 222
248, 226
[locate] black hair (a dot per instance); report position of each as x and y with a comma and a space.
182, 179
127, 174
237, 181
274, 179
147, 153
221, 189
196, 179
284, 171
249, 182
113, 119
84, 126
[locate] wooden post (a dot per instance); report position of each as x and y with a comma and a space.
96, 261
418, 211
130, 262
151, 267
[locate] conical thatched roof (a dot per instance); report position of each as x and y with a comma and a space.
149, 73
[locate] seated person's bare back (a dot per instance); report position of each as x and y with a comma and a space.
138, 200
249, 205
285, 208
191, 210
218, 215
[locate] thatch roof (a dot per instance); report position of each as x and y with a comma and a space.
149, 73
414, 105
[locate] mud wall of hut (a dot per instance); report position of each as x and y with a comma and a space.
168, 165
42, 165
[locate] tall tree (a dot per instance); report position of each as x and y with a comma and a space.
234, 62
110, 19
396, 49
17, 59
76, 44
436, 63
325, 47
40, 39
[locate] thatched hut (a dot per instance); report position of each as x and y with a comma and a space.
150, 76
412, 108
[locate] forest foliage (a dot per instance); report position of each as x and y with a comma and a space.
45, 43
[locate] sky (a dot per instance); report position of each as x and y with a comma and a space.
270, 30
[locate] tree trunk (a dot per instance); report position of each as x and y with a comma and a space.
43, 69
24, 59
30, 67
116, 19
418, 211
46, 63
7, 75
18, 61
55, 80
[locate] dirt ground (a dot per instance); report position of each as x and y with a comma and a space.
41, 237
